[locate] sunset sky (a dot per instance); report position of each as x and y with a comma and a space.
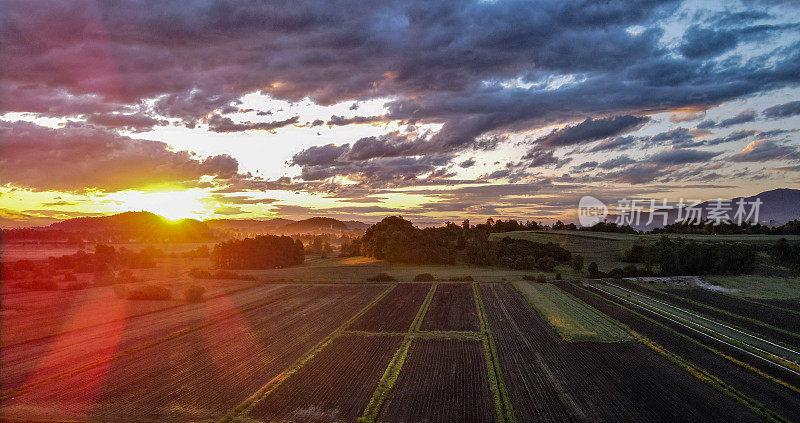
357, 110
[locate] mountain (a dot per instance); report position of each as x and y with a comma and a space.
140, 226
778, 206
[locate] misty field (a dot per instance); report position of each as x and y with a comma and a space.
320, 343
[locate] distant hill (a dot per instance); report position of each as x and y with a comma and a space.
247, 225
778, 206
140, 226
355, 225
314, 224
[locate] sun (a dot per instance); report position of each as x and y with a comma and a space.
172, 205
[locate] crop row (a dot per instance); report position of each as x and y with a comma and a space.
549, 379
203, 373
779, 325
772, 387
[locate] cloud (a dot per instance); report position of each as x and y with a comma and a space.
218, 123
135, 122
591, 130
678, 156
764, 150
616, 143
79, 157
342, 121
791, 108
467, 163
748, 115
325, 155
702, 42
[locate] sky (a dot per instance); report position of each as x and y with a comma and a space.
357, 110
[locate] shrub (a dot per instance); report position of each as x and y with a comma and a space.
150, 292
467, 278
381, 277
38, 285
424, 277
594, 272
199, 273
194, 294
224, 274
545, 263
577, 263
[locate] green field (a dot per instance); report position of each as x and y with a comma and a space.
572, 319
358, 269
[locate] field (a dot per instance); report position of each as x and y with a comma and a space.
775, 323
452, 309
439, 377
572, 319
761, 287
336, 385
552, 380
760, 382
396, 311
280, 348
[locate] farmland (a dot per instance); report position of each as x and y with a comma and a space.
572, 319
550, 380
452, 309
280, 349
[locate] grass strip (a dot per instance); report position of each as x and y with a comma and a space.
571, 318
392, 372
176, 334
245, 406
502, 401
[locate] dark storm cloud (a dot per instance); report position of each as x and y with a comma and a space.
703, 42
591, 130
791, 108
467, 163
455, 63
78, 157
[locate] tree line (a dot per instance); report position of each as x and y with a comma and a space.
397, 240
261, 252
